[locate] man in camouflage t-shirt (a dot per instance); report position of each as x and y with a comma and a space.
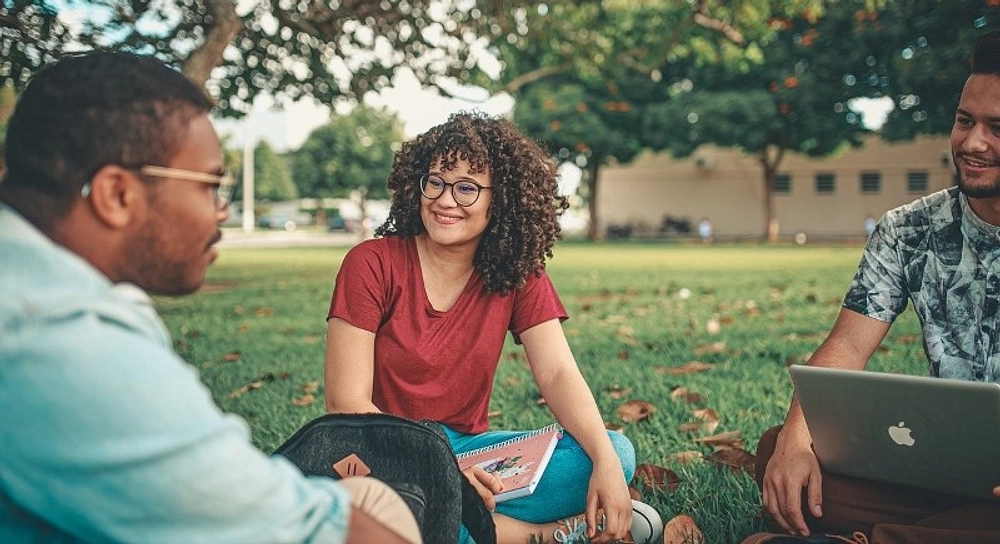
940, 253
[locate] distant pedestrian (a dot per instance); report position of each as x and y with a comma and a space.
705, 230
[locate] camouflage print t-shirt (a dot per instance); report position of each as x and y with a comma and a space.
938, 254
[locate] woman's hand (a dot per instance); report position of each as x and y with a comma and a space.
608, 492
487, 485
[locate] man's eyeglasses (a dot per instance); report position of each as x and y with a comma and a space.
223, 185
465, 192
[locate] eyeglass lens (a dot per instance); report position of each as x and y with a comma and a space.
465, 193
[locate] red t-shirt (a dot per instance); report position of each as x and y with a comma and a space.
431, 364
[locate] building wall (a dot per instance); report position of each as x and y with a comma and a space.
725, 186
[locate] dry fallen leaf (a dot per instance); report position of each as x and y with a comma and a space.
682, 529
232, 356
623, 355
634, 494
304, 400
612, 426
737, 459
689, 427
635, 410
686, 456
732, 439
495, 413
686, 368
310, 387
656, 477
685, 395
264, 312
714, 347
616, 391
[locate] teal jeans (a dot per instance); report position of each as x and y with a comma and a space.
562, 491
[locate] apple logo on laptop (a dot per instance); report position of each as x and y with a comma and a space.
900, 434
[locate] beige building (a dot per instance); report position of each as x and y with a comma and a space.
828, 197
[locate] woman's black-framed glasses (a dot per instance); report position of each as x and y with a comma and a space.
465, 192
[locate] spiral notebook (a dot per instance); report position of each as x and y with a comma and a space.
519, 462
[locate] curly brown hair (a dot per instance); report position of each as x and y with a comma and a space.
524, 214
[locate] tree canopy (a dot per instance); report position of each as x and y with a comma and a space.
352, 152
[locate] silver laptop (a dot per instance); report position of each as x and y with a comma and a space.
923, 432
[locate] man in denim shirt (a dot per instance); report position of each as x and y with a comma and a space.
940, 253
114, 188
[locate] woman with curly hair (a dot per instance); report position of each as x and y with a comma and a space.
420, 314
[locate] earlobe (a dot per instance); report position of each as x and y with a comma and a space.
115, 196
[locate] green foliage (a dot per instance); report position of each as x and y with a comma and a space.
636, 310
327, 50
354, 151
272, 175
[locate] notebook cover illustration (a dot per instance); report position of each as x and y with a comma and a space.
518, 462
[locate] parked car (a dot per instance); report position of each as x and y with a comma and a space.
276, 221
338, 223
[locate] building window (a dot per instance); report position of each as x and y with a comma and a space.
871, 183
916, 181
782, 184
825, 184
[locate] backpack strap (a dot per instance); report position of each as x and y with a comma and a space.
476, 517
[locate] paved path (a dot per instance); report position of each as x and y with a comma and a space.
235, 237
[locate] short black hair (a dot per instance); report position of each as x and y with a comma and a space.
84, 112
986, 54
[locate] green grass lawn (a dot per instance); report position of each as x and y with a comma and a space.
636, 310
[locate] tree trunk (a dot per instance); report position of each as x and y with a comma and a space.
593, 228
365, 231
769, 168
225, 25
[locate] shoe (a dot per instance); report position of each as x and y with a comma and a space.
779, 538
647, 527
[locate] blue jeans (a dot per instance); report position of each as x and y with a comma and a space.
562, 491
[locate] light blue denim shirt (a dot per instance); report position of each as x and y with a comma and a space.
107, 436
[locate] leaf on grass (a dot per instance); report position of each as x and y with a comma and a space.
907, 338
304, 400
708, 420
514, 380
264, 312
732, 439
495, 413
686, 368
726, 320
256, 384
684, 394
713, 326
737, 459
714, 347
514, 356
586, 307
623, 355
635, 410
682, 529
686, 456
284, 375
232, 356
616, 391
311, 338
656, 477
310, 387
634, 494
612, 426
244, 327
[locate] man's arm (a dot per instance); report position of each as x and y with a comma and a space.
793, 466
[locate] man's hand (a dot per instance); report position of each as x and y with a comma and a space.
792, 468
487, 485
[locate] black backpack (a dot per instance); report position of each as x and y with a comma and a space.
412, 457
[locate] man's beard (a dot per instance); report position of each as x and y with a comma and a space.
981, 187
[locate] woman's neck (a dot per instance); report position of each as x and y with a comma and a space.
444, 261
